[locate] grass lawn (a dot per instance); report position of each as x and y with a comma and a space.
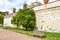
52, 36
49, 35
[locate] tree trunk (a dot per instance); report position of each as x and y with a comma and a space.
26, 28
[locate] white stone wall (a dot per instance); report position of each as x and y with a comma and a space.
49, 5
7, 22
48, 19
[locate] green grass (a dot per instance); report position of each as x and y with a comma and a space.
23, 31
55, 35
1, 26
49, 35
52, 36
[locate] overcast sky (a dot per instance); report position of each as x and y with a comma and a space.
7, 5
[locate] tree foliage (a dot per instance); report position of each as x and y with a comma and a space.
1, 19
25, 17
3, 13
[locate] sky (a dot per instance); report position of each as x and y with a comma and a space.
8, 5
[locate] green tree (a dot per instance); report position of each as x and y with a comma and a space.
26, 18
1, 19
15, 21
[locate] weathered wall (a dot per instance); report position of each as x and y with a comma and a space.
7, 22
48, 19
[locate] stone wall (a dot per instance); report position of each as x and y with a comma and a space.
7, 22
48, 19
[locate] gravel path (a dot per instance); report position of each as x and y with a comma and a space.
9, 35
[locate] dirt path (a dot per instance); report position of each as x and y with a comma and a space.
9, 35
